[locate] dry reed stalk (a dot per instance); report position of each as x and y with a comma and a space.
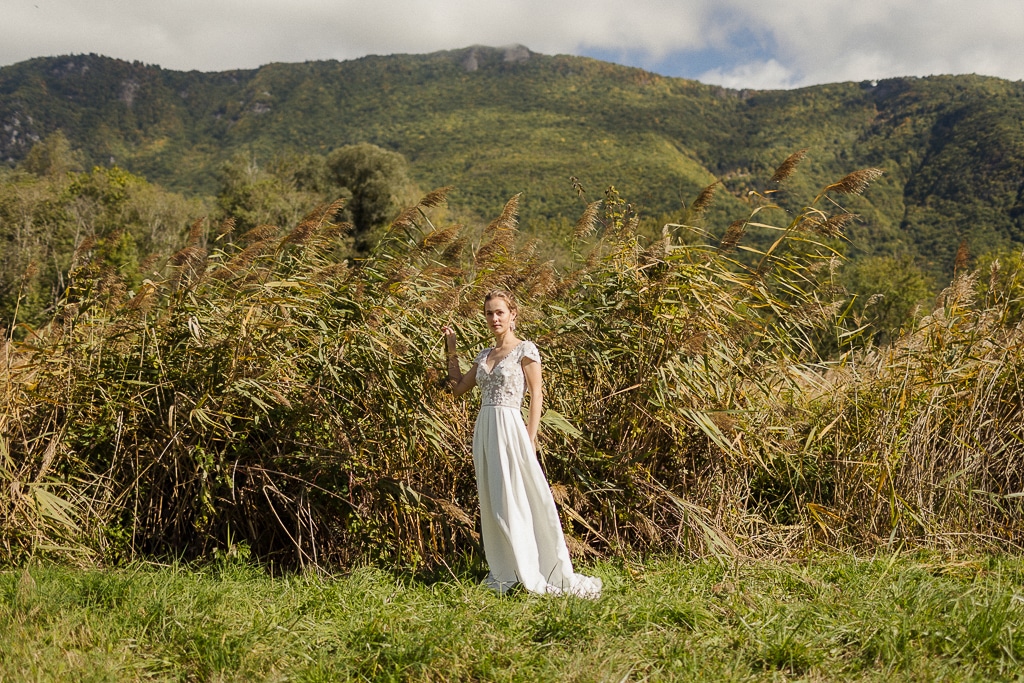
435, 198
856, 182
833, 226
196, 232
704, 422
587, 222
440, 237
704, 200
733, 234
259, 234
788, 167
963, 256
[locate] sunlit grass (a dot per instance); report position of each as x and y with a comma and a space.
919, 617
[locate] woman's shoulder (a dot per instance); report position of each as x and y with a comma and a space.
483, 354
527, 349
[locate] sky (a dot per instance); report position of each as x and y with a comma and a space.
735, 43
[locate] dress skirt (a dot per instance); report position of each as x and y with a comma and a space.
523, 539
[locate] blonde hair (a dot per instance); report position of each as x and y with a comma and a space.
510, 300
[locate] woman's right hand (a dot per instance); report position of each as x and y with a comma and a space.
449, 339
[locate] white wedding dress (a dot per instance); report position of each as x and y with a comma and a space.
523, 540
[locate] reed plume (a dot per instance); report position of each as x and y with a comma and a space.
502, 232
189, 258
227, 227
856, 182
258, 234
196, 232
963, 257
788, 167
406, 219
302, 232
577, 187
453, 252
440, 237
435, 198
832, 226
588, 221
145, 299
508, 220
704, 199
733, 234
336, 230
240, 262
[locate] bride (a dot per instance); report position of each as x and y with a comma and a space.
523, 541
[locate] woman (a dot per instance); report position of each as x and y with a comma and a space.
523, 540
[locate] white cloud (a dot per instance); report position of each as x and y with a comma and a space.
759, 44
767, 75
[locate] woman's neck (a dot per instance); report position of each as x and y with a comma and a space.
505, 340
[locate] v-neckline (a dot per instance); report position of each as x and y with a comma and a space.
502, 360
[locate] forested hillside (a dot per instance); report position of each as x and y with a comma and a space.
496, 122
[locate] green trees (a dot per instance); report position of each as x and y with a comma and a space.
53, 157
376, 179
276, 194
1001, 283
889, 292
55, 219
372, 180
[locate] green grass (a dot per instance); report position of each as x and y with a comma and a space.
828, 618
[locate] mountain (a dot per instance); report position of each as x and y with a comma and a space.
494, 122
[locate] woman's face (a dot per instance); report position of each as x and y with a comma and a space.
498, 315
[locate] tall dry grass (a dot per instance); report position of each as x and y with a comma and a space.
267, 395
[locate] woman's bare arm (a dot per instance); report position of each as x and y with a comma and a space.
531, 369
458, 382
464, 382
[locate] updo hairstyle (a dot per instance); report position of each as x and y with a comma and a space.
510, 300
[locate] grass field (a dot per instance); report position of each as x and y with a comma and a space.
830, 617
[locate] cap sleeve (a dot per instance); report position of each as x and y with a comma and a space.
530, 351
480, 356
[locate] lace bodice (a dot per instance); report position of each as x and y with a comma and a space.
505, 384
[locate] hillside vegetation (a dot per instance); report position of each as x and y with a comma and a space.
494, 123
